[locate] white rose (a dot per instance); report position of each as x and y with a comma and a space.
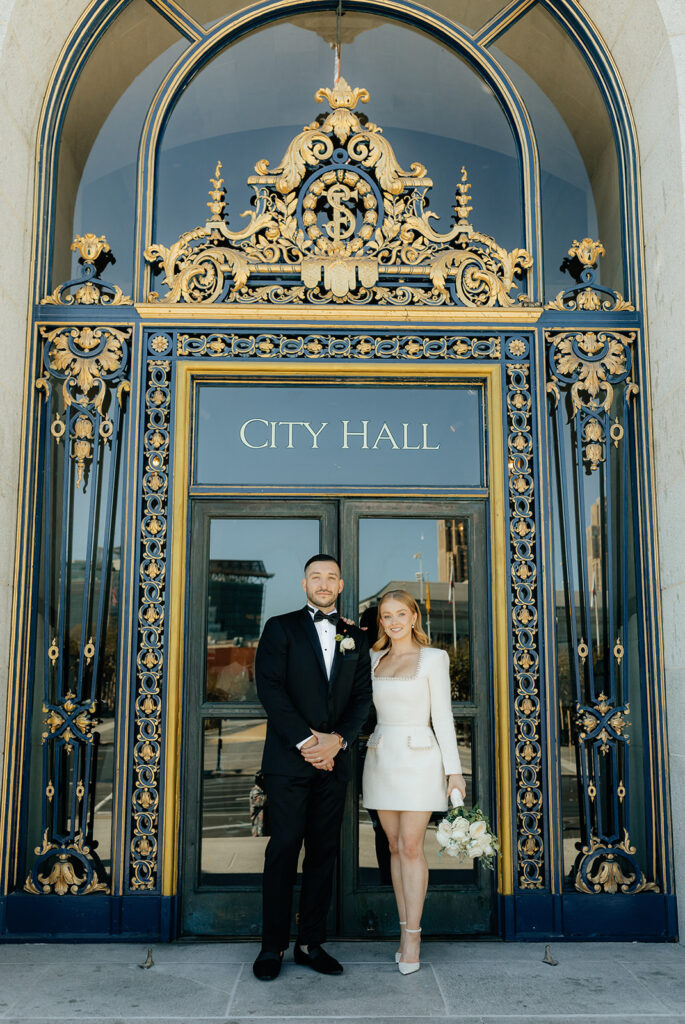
444, 832
347, 643
460, 827
477, 829
476, 848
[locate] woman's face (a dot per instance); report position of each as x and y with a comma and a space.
397, 620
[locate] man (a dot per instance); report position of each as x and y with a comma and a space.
314, 679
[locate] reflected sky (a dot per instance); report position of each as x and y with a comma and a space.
387, 547
105, 202
283, 545
396, 549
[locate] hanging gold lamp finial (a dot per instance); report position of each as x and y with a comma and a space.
338, 44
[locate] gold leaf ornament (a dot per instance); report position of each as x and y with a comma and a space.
345, 241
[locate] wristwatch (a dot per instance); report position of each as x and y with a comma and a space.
343, 742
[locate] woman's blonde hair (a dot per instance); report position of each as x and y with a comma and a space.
417, 632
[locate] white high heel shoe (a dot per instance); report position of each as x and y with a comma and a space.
398, 954
409, 968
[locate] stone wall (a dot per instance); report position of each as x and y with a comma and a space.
647, 40
32, 33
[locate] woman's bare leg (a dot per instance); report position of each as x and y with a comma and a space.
390, 821
414, 872
406, 831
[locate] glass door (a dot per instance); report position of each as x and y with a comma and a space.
438, 552
245, 566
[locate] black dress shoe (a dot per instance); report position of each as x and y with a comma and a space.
267, 966
318, 959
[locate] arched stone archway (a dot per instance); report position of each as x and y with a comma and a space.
647, 41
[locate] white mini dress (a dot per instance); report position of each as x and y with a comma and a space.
407, 760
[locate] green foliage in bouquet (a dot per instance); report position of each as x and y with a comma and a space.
463, 833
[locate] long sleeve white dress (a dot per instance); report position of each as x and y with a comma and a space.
407, 760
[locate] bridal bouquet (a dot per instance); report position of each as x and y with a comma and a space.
463, 833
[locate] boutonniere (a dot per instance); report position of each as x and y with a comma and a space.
346, 642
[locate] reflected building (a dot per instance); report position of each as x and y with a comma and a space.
235, 609
453, 550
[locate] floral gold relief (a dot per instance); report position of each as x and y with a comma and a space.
151, 627
67, 869
611, 868
528, 750
88, 361
588, 365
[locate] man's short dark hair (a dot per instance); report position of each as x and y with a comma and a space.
322, 558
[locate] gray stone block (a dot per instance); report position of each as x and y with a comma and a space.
365, 990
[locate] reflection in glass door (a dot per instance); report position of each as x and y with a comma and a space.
245, 568
439, 555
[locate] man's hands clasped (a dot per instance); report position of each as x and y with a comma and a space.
320, 749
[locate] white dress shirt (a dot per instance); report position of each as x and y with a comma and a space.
326, 632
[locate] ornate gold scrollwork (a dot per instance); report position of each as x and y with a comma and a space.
84, 358
610, 869
317, 346
587, 294
87, 360
603, 722
590, 364
89, 290
68, 870
592, 359
526, 659
151, 624
335, 216
69, 721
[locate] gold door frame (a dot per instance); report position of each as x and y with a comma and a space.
186, 372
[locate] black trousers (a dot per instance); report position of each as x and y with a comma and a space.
308, 810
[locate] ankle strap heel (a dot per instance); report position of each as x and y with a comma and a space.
405, 968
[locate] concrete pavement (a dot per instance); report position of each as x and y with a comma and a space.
459, 983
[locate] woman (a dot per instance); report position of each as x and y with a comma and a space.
407, 761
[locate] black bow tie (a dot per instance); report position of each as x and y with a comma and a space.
319, 616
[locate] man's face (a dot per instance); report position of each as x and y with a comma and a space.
322, 583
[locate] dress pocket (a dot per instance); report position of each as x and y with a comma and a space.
420, 741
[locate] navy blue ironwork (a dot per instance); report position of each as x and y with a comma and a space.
83, 382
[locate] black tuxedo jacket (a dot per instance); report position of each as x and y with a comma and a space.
297, 697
